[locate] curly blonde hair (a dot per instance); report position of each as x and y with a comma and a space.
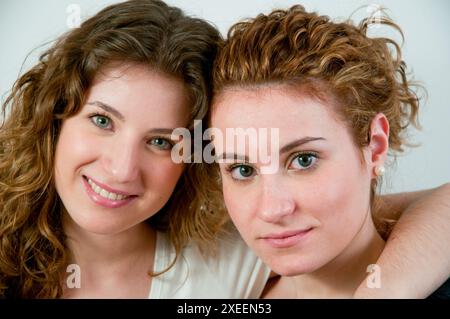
327, 60
33, 252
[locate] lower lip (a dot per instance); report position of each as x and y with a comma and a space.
102, 201
287, 242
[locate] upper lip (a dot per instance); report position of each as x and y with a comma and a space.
285, 234
110, 189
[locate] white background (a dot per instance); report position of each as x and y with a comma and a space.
25, 25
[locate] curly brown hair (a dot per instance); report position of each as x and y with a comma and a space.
327, 60
33, 252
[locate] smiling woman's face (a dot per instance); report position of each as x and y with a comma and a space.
113, 167
310, 210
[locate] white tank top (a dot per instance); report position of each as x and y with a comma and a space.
233, 272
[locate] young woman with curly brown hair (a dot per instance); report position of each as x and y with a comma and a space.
86, 172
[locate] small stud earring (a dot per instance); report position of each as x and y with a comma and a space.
380, 170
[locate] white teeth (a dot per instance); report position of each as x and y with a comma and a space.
104, 193
112, 196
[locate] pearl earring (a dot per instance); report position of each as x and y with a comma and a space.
380, 170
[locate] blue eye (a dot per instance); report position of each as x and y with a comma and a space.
242, 172
161, 143
101, 121
303, 161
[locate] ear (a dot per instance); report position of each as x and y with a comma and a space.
379, 142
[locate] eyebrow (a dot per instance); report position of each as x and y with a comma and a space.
299, 142
165, 131
116, 113
284, 149
234, 156
108, 109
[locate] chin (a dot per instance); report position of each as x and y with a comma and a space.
291, 268
102, 230
100, 227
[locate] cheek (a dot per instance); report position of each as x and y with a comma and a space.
239, 204
232, 202
231, 198
75, 146
163, 175
345, 181
342, 201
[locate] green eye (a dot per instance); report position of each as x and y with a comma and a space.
101, 121
242, 172
161, 143
304, 161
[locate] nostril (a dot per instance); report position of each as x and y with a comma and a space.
275, 209
287, 206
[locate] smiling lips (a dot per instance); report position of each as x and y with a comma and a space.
286, 239
106, 196
104, 193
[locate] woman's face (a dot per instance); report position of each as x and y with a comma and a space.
113, 167
309, 211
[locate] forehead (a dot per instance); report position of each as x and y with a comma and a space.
138, 91
275, 106
138, 77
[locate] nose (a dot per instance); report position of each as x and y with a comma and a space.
276, 201
121, 160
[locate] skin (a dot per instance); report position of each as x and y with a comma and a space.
416, 258
321, 190
124, 146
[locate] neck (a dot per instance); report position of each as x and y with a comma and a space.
107, 261
104, 249
342, 276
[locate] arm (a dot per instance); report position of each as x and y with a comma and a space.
389, 208
393, 205
416, 258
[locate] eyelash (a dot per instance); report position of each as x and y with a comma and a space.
170, 142
231, 167
101, 114
309, 153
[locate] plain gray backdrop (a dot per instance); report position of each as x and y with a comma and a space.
26, 25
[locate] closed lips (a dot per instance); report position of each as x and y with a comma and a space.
287, 234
